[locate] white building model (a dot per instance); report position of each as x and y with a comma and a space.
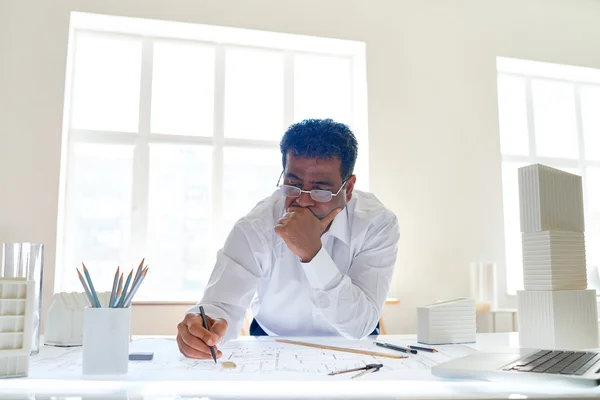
555, 311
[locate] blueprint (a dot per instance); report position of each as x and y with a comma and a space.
254, 359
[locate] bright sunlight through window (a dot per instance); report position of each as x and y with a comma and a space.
548, 114
173, 134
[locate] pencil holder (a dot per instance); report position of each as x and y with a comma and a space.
106, 340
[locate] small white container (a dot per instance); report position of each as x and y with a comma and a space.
106, 340
64, 318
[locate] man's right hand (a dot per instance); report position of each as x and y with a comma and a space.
194, 341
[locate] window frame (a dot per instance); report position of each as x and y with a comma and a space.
505, 297
145, 32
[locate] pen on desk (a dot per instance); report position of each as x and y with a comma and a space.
397, 348
212, 348
423, 348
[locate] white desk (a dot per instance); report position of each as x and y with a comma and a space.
68, 382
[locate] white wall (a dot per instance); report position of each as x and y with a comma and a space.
435, 156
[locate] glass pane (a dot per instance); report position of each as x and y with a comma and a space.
253, 94
250, 175
512, 226
592, 216
512, 111
179, 224
323, 88
554, 118
98, 212
590, 118
183, 76
106, 83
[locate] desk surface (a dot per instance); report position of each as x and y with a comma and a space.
206, 382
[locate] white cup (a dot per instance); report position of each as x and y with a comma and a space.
106, 340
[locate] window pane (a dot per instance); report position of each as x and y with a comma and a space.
590, 118
250, 175
512, 110
106, 83
253, 94
592, 213
554, 118
179, 211
183, 89
322, 88
512, 228
98, 212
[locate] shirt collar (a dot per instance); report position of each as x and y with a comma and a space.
339, 227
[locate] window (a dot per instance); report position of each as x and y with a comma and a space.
172, 135
548, 114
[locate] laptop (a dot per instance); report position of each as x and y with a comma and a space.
576, 367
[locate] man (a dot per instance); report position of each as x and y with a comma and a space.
317, 254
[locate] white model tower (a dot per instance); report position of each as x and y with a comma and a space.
555, 311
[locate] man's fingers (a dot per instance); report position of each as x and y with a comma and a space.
329, 218
189, 351
194, 353
196, 328
193, 342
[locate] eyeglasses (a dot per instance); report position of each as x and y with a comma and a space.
322, 196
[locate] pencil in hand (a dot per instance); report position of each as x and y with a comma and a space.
212, 348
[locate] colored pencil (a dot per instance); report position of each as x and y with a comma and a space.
92, 290
135, 288
113, 291
119, 292
124, 293
138, 272
86, 289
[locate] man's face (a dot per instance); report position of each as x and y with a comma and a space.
316, 173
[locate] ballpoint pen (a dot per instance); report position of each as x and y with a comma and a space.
397, 348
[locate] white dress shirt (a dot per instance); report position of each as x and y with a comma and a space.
340, 292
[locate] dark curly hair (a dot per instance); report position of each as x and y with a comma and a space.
321, 138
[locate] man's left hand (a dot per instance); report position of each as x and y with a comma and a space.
301, 231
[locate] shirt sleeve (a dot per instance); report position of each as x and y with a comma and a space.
234, 279
352, 302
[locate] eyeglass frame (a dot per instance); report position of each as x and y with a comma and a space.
310, 192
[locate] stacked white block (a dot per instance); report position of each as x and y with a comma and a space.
452, 321
16, 324
554, 260
550, 200
565, 319
555, 310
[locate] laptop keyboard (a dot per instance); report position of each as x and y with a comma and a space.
557, 362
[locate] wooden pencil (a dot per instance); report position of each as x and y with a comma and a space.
92, 289
335, 348
86, 289
113, 291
